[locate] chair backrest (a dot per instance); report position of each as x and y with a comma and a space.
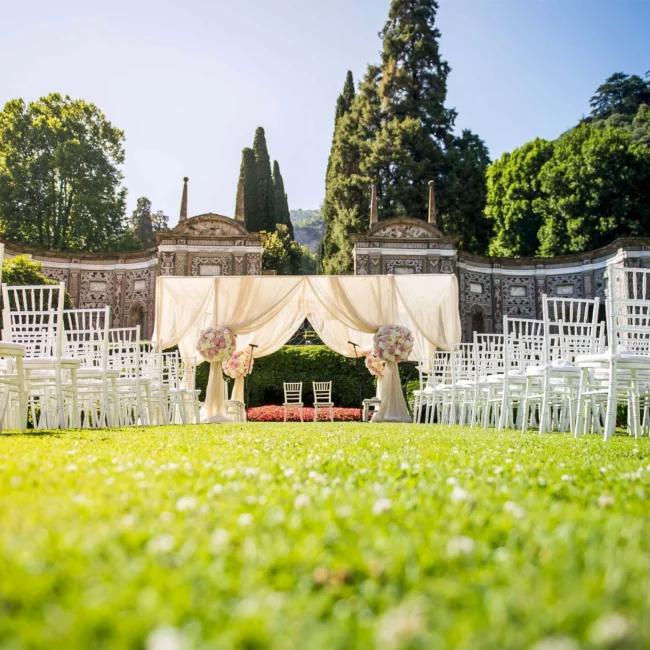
32, 317
425, 372
628, 309
489, 356
86, 336
124, 351
462, 362
293, 392
441, 367
570, 327
524, 344
322, 392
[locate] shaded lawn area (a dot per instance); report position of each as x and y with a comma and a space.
327, 536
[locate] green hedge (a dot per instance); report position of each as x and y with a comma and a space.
351, 381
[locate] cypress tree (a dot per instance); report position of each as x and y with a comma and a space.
282, 214
141, 222
248, 197
264, 181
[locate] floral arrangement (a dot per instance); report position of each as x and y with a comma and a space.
375, 365
393, 343
238, 365
216, 344
276, 414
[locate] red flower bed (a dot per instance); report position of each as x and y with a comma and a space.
276, 414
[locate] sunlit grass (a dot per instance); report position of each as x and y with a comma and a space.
323, 536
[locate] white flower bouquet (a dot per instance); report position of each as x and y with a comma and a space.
238, 365
375, 365
216, 344
393, 343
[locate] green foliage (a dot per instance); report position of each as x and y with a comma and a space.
621, 94
513, 199
597, 188
60, 181
323, 537
248, 195
264, 181
281, 202
285, 256
141, 222
398, 133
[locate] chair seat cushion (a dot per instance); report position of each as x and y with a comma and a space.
296, 404
323, 404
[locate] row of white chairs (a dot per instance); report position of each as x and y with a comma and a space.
68, 368
322, 399
566, 372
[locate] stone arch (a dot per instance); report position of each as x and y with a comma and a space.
477, 320
138, 316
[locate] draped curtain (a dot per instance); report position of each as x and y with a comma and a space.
267, 311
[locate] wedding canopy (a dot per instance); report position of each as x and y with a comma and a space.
267, 311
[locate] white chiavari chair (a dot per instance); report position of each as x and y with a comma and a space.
323, 398
293, 398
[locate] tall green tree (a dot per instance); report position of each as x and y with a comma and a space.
248, 192
60, 179
398, 132
621, 93
282, 214
264, 181
285, 256
596, 188
513, 199
142, 224
345, 99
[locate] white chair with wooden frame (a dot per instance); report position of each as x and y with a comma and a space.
323, 398
293, 398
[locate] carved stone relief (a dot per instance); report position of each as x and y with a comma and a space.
167, 264
557, 285
253, 264
197, 261
519, 296
393, 263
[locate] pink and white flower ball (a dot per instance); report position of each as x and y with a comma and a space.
216, 344
238, 365
375, 365
393, 343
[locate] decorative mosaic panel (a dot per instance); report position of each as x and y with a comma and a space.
471, 283
96, 287
362, 265
599, 281
197, 261
239, 265
392, 263
180, 264
60, 275
253, 264
558, 286
519, 296
167, 264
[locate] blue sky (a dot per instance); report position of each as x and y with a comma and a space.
190, 81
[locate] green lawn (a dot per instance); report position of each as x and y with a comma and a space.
323, 537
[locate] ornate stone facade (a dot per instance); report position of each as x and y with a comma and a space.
490, 288
206, 245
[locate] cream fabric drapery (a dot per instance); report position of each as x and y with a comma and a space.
267, 310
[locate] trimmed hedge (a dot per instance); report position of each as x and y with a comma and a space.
351, 381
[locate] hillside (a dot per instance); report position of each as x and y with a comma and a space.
308, 226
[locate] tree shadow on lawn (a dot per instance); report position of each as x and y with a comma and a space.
33, 433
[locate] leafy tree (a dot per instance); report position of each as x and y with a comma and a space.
60, 182
264, 181
345, 99
621, 93
513, 198
142, 222
248, 192
285, 256
281, 202
159, 221
595, 188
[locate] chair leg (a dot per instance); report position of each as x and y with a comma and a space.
612, 393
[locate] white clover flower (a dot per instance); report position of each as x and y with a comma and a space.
610, 629
605, 501
245, 519
400, 626
498, 470
215, 490
381, 505
166, 638
452, 480
458, 494
515, 510
219, 540
161, 544
289, 472
71, 468
556, 643
186, 503
566, 477
301, 501
461, 545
